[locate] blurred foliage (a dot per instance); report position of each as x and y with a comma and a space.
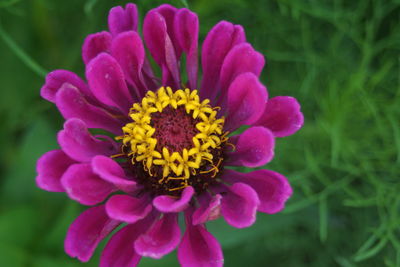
339, 58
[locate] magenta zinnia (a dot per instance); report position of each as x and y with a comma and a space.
170, 138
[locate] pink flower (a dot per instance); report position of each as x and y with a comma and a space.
170, 142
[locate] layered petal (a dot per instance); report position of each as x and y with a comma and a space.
242, 58
107, 82
199, 248
111, 171
162, 238
186, 28
246, 101
95, 44
87, 231
50, 168
282, 116
239, 205
128, 209
120, 251
254, 148
121, 20
167, 203
210, 209
57, 78
129, 51
76, 141
273, 189
84, 186
169, 13
161, 47
218, 42
72, 104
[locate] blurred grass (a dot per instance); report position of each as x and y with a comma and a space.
339, 58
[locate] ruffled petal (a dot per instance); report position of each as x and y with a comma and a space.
239, 205
186, 26
56, 79
120, 251
82, 185
171, 204
121, 20
246, 101
273, 189
129, 51
107, 82
161, 47
110, 171
254, 148
127, 208
50, 168
76, 141
95, 44
72, 104
282, 116
87, 231
199, 248
162, 238
210, 209
219, 41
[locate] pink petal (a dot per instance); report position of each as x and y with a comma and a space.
186, 26
239, 205
282, 116
169, 13
273, 189
246, 101
95, 44
120, 251
173, 204
50, 167
76, 141
162, 238
219, 41
209, 210
199, 248
121, 20
242, 58
56, 79
107, 82
87, 231
72, 104
127, 208
110, 171
128, 50
254, 148
154, 33
82, 185
161, 47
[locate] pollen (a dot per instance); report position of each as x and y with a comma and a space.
175, 138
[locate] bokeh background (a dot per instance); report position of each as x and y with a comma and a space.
339, 58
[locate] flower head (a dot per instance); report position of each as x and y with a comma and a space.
170, 140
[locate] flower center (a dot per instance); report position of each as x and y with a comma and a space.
174, 141
174, 129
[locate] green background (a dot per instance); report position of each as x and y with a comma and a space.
339, 58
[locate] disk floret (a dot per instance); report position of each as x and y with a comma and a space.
142, 140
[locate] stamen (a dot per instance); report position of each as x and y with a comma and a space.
178, 188
117, 156
231, 145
